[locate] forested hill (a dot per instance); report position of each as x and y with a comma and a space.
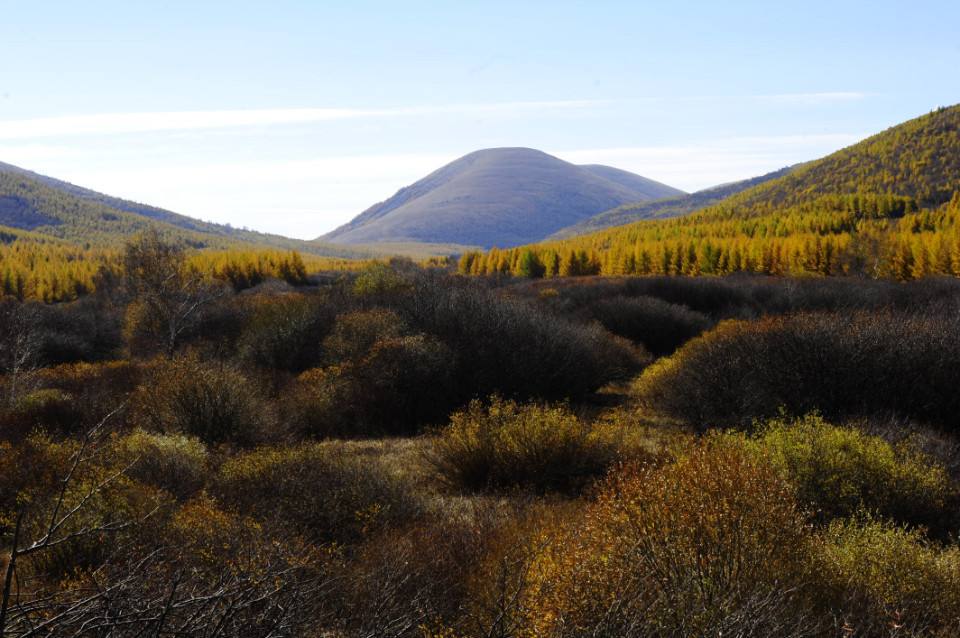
887, 206
673, 206
52, 208
919, 159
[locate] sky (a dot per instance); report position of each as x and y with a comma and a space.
293, 117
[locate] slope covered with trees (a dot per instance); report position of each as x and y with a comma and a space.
888, 206
674, 206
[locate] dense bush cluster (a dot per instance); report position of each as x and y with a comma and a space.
717, 543
840, 364
407, 452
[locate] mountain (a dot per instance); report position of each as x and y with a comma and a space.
501, 196
637, 183
887, 206
665, 207
49, 207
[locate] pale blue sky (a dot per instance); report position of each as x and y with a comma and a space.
292, 117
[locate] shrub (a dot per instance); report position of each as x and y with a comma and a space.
398, 386
880, 579
660, 326
712, 544
379, 280
319, 490
94, 389
839, 364
213, 402
747, 296
414, 576
511, 347
173, 462
47, 409
504, 444
284, 331
355, 333
35, 483
71, 398
840, 471
83, 330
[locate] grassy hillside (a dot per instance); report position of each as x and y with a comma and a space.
888, 206
505, 196
647, 187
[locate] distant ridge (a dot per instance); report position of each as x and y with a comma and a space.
497, 197
49, 207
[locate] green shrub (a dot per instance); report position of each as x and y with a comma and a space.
380, 280
840, 471
880, 579
318, 489
213, 402
504, 444
173, 462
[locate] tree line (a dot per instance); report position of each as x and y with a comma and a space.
864, 234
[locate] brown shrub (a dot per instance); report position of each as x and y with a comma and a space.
840, 365
712, 544
355, 334
397, 387
211, 401
173, 462
660, 326
285, 331
317, 489
505, 445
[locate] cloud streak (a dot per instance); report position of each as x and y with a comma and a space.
160, 121
150, 122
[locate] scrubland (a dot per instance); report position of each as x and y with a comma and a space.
403, 451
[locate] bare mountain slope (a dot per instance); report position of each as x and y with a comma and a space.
497, 197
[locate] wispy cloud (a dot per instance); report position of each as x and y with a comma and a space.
122, 123
812, 99
158, 121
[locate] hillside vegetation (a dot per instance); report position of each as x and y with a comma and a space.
674, 206
887, 206
38, 268
59, 210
